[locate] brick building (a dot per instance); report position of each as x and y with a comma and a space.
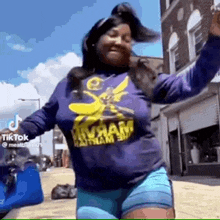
184, 29
189, 131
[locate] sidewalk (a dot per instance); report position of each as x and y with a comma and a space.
195, 197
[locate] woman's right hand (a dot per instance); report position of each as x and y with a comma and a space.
4, 134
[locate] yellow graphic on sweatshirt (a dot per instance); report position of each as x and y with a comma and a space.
95, 83
93, 127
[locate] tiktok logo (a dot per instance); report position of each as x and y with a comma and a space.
13, 125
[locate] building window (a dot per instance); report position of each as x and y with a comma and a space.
198, 40
175, 59
195, 38
203, 146
174, 55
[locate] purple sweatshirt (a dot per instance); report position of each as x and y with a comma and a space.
108, 131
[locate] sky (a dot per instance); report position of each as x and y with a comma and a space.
40, 41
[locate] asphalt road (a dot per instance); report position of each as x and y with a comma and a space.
195, 197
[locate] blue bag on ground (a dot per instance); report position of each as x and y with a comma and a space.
19, 187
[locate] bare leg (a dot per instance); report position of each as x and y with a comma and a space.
152, 213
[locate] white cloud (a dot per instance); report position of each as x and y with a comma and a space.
42, 80
11, 94
45, 76
8, 37
19, 47
10, 104
14, 42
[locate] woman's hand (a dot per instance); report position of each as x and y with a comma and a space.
4, 133
215, 25
144, 76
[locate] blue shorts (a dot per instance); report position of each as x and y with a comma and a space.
154, 191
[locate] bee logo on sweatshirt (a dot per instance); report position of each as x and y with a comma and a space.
103, 117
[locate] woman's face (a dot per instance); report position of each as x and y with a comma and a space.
114, 47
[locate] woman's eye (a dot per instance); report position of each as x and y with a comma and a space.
112, 34
127, 39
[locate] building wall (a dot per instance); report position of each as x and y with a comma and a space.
170, 24
173, 22
162, 6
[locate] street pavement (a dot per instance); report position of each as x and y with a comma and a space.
196, 197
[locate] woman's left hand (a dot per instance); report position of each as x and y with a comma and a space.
144, 76
215, 25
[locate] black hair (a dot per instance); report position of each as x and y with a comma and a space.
122, 13
92, 37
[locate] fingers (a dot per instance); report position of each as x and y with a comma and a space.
215, 8
3, 132
144, 71
216, 18
144, 76
215, 25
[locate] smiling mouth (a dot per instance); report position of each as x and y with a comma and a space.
116, 51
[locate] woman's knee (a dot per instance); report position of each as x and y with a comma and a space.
88, 212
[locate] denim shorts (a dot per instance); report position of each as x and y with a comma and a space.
154, 191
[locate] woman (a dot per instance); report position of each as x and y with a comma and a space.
103, 109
